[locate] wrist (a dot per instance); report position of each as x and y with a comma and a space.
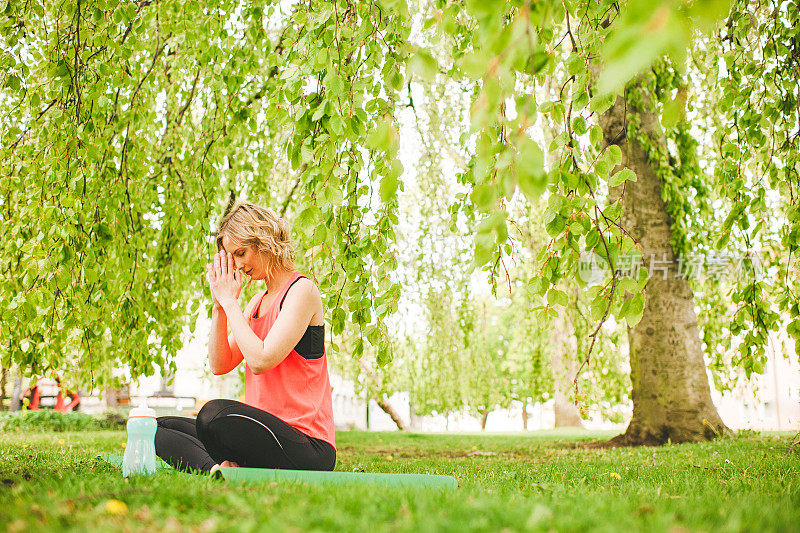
229, 305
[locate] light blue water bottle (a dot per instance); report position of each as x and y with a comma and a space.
140, 451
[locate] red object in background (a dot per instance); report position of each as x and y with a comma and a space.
35, 393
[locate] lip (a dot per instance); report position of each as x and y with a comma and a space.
248, 272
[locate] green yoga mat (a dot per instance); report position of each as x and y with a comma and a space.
339, 478
263, 475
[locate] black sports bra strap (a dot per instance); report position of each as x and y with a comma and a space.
288, 289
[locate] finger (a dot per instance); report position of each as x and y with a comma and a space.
217, 265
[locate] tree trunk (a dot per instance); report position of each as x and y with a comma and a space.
413, 419
563, 344
389, 410
484, 417
112, 398
525, 416
670, 391
3, 381
16, 393
381, 399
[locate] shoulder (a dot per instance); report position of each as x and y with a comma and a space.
304, 302
302, 291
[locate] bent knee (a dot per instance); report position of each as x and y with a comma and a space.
210, 411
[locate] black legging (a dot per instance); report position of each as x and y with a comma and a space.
227, 430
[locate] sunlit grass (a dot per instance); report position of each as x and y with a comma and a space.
531, 481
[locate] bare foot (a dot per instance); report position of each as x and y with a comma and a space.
229, 463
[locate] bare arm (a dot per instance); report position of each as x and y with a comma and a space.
286, 332
293, 320
223, 353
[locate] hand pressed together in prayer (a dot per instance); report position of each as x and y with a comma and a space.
224, 279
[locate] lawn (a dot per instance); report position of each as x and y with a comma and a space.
520, 482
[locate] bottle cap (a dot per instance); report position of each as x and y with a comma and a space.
142, 410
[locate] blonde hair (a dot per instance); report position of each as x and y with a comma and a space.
260, 228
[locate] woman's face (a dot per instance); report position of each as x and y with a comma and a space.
246, 258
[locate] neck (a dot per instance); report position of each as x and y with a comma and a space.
279, 278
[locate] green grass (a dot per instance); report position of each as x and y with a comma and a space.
525, 482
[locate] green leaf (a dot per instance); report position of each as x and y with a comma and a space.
531, 176
625, 308
592, 238
600, 103
332, 195
396, 169
321, 58
423, 64
579, 125
559, 297
474, 64
620, 177
614, 154
383, 137
91, 275
13, 82
388, 188
723, 239
384, 354
484, 248
635, 310
484, 197
673, 112
793, 329
556, 226
595, 135
320, 112
598, 307
338, 321
334, 83
643, 33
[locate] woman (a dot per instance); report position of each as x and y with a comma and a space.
287, 418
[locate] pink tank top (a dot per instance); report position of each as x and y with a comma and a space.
298, 390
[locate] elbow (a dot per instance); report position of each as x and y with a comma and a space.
258, 368
216, 368
261, 365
